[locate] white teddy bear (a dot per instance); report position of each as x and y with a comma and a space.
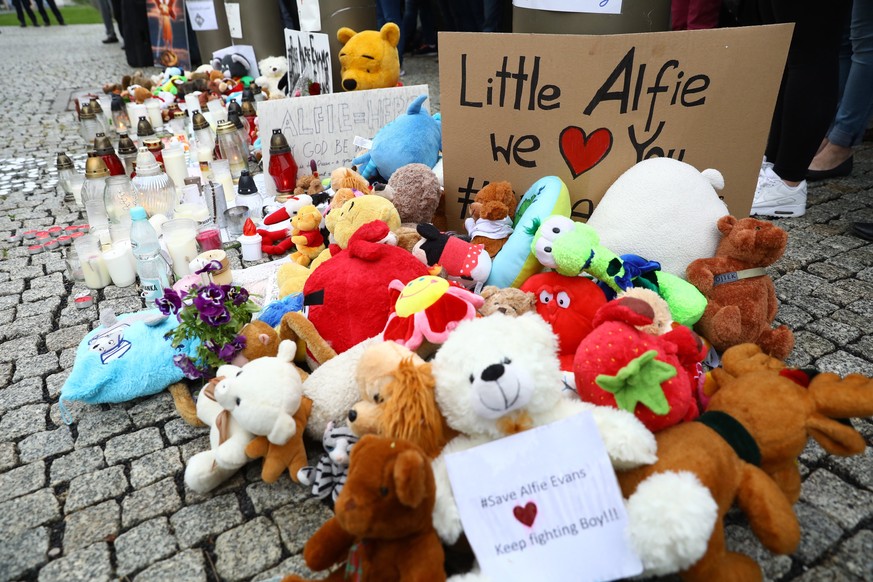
499, 375
274, 75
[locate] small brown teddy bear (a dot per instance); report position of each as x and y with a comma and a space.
309, 184
385, 512
741, 296
510, 301
490, 223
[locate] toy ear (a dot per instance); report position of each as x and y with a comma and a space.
412, 413
489, 291
240, 60
428, 231
726, 224
391, 33
264, 339
714, 177
283, 429
410, 478
835, 437
216, 63
287, 349
345, 33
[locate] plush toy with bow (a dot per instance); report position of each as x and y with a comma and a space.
326, 479
382, 529
465, 263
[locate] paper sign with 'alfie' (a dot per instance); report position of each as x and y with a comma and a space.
534, 508
519, 107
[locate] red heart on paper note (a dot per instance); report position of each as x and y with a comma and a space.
526, 514
583, 152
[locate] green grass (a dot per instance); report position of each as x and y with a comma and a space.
75, 14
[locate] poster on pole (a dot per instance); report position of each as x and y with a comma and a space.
323, 128
168, 33
202, 15
519, 107
308, 59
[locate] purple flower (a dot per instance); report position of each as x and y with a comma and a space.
232, 348
211, 346
210, 301
210, 267
188, 368
219, 318
169, 303
240, 296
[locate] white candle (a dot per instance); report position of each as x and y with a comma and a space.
119, 264
182, 247
95, 272
175, 166
153, 107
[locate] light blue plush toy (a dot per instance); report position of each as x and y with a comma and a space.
412, 138
122, 359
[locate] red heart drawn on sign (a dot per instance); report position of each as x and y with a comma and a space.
583, 152
526, 514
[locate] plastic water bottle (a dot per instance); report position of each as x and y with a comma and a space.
152, 268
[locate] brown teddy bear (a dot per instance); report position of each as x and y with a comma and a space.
744, 449
309, 184
383, 527
414, 190
510, 301
490, 222
741, 297
397, 399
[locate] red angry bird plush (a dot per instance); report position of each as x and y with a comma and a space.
619, 365
568, 304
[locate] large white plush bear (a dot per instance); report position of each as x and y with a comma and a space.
662, 210
498, 375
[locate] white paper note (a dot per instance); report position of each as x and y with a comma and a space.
310, 15
233, 20
589, 6
202, 15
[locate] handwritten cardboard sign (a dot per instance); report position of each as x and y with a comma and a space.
558, 515
518, 107
323, 127
308, 57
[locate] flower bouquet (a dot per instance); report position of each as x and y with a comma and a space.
213, 315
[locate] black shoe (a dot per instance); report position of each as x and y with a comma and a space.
110, 39
863, 230
47, 23
843, 169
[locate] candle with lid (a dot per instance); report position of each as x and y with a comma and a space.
127, 153
156, 192
104, 149
283, 167
119, 114
231, 148
250, 241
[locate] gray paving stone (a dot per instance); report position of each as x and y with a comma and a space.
741, 539
143, 545
195, 523
235, 483
816, 307
297, 522
52, 282
826, 574
66, 361
132, 445
7, 301
836, 498
24, 326
195, 446
13, 264
8, 456
71, 315
818, 532
22, 552
113, 292
160, 498
97, 425
815, 345
839, 333
187, 566
28, 511
92, 488
35, 366
178, 431
65, 338
55, 382
829, 271
292, 565
22, 480
842, 363
863, 307
91, 564
92, 524
12, 287
25, 392
155, 466
23, 421
45, 444
247, 549
153, 409
855, 555
266, 496
122, 304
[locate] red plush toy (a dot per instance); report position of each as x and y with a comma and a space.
275, 242
621, 366
349, 296
569, 305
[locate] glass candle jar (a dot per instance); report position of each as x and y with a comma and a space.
120, 119
94, 270
156, 191
180, 237
174, 164
231, 148
221, 174
119, 196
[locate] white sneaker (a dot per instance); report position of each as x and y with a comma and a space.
765, 165
773, 197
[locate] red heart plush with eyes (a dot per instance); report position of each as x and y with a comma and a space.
526, 514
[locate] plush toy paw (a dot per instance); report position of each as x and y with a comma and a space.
726, 325
446, 518
777, 342
628, 442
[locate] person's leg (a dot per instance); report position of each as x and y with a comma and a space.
41, 9
106, 13
30, 14
410, 24
393, 12
428, 23
116, 13
679, 14
491, 16
54, 8
19, 12
703, 14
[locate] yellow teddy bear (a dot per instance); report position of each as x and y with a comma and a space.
369, 58
306, 235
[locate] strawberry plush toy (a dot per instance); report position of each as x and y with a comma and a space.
619, 365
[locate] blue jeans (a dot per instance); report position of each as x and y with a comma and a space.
411, 12
856, 104
390, 11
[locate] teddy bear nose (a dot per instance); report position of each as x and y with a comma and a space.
492, 372
353, 415
349, 84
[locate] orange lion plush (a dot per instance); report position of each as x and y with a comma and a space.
743, 449
383, 528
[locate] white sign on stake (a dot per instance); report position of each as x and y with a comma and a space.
323, 127
234, 24
534, 509
590, 6
308, 57
310, 15
202, 15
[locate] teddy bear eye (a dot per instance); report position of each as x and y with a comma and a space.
507, 361
472, 379
376, 398
369, 57
383, 491
238, 401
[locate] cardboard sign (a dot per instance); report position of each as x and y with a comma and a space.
202, 15
518, 107
324, 127
558, 515
308, 57
589, 6
168, 33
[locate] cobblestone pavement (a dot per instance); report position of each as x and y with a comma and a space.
104, 498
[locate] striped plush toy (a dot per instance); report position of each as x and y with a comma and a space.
329, 475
